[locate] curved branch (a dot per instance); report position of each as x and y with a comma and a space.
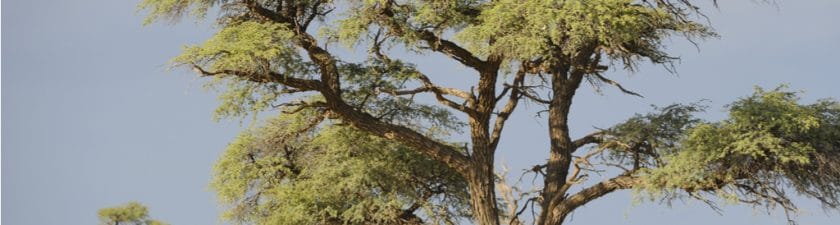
330, 87
269, 77
428, 86
533, 97
616, 84
435, 42
567, 205
588, 139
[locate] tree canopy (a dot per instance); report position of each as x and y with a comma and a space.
130, 213
302, 168
355, 144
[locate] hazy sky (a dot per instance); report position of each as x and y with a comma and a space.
91, 118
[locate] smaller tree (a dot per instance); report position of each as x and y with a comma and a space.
129, 213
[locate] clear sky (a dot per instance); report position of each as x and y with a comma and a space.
91, 117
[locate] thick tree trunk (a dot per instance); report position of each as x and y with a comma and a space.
481, 178
483, 195
560, 155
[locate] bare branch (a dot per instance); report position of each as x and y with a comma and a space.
512, 195
428, 85
588, 139
504, 114
577, 165
616, 84
534, 98
269, 77
441, 91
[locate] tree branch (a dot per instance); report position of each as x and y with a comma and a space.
428, 86
588, 139
330, 87
269, 77
623, 181
436, 43
511, 104
616, 84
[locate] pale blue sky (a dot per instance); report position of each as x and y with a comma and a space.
91, 118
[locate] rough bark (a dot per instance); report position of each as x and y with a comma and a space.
481, 178
562, 146
565, 80
586, 195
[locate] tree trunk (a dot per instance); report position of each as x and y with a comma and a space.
481, 178
560, 155
483, 195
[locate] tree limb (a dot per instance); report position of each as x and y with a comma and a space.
269, 77
616, 84
623, 181
511, 104
436, 43
588, 139
330, 87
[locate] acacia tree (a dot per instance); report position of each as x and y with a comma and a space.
131, 213
268, 55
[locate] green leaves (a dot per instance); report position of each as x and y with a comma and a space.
368, 86
297, 169
173, 10
129, 213
769, 143
407, 18
622, 29
254, 50
309, 167
246, 46
642, 139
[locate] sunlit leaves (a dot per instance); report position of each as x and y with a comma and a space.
327, 172
130, 213
252, 48
368, 85
173, 10
299, 170
769, 143
246, 46
622, 29
640, 140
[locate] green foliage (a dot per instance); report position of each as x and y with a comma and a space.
307, 167
520, 30
297, 169
642, 139
245, 46
622, 29
251, 48
769, 144
129, 213
409, 16
172, 10
367, 87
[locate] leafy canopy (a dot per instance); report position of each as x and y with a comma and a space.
770, 144
129, 213
299, 169
347, 148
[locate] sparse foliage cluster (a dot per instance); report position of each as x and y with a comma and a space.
131, 213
